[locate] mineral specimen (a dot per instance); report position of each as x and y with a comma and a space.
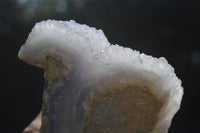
93, 86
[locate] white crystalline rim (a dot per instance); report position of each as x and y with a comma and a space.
71, 30
94, 48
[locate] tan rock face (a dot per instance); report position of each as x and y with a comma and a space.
94, 86
125, 107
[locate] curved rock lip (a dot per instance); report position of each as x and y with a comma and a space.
94, 86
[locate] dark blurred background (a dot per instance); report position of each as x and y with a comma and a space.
168, 28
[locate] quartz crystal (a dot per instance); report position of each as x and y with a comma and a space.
92, 86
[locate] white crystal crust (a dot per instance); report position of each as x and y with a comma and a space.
91, 45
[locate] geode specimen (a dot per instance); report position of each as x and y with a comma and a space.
92, 86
